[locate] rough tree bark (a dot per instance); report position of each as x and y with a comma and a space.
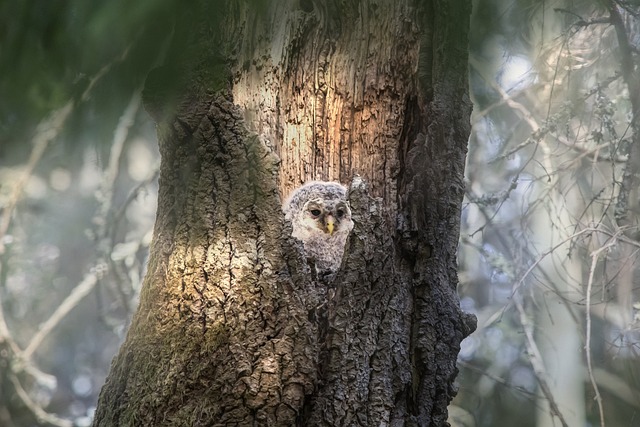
232, 329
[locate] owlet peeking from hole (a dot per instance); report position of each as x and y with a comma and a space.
321, 218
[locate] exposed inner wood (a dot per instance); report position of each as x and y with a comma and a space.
330, 91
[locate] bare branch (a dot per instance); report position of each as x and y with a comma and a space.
539, 131
78, 293
536, 362
40, 414
594, 260
90, 280
630, 177
617, 386
45, 133
119, 138
581, 21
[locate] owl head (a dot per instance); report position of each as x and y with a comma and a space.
319, 209
326, 216
321, 218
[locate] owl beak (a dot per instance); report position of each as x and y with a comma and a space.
330, 224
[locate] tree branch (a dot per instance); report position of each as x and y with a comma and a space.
78, 293
536, 361
594, 260
630, 178
41, 414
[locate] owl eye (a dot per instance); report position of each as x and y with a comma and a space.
315, 212
340, 213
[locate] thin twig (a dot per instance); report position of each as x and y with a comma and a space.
496, 378
79, 292
36, 409
630, 175
537, 130
88, 283
45, 133
546, 253
103, 72
107, 219
5, 334
594, 260
536, 362
133, 194
119, 138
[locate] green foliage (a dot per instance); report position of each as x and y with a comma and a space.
55, 51
51, 51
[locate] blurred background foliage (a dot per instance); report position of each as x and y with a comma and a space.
51, 51
78, 163
548, 254
549, 240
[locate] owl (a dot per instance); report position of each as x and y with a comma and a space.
321, 218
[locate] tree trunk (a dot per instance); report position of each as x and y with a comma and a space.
232, 328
